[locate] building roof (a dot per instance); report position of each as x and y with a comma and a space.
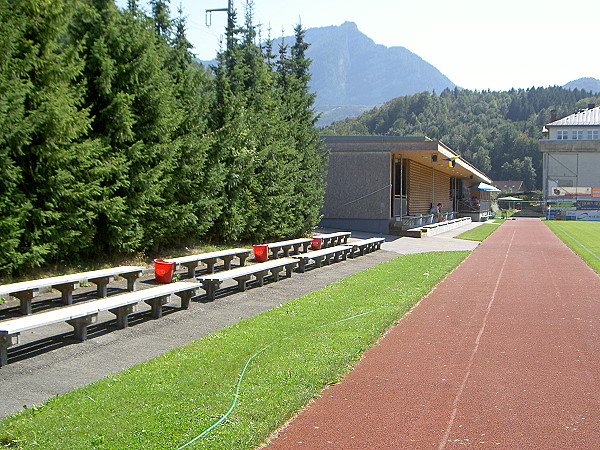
419, 148
589, 116
509, 185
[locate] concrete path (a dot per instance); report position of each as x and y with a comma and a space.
504, 353
50, 362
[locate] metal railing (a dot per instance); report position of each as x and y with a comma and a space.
479, 206
418, 220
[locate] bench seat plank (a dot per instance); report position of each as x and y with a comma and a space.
191, 262
212, 282
84, 314
25, 291
286, 246
364, 246
324, 255
333, 239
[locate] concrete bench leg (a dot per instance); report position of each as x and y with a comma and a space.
25, 299
241, 281
275, 273
289, 269
66, 291
260, 277
296, 249
156, 305
7, 340
131, 279
186, 297
305, 246
80, 325
286, 250
227, 261
344, 255
302, 265
210, 264
211, 287
318, 261
191, 268
243, 260
122, 314
101, 285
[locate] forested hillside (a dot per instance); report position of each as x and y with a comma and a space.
113, 140
496, 131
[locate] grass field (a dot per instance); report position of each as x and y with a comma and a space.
232, 389
582, 237
478, 233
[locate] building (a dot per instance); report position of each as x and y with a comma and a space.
571, 165
386, 184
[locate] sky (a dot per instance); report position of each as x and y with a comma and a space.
477, 44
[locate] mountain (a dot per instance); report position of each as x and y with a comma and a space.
587, 84
351, 74
348, 68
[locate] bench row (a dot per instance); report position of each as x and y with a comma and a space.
82, 315
212, 282
26, 291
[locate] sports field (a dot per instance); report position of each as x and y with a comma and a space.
582, 237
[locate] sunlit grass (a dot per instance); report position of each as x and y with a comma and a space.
478, 233
298, 349
582, 237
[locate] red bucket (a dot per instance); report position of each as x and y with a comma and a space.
316, 243
261, 252
163, 270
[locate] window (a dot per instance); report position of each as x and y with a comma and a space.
561, 135
593, 135
578, 134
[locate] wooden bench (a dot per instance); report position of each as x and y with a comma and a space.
323, 255
364, 246
286, 246
84, 314
212, 283
333, 239
210, 259
25, 291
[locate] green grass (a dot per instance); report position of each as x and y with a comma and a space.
581, 237
292, 352
478, 233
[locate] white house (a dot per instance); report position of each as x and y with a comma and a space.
571, 165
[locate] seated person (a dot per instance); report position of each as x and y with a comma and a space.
436, 210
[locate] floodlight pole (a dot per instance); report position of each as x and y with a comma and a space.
230, 23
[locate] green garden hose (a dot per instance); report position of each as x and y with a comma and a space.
240, 378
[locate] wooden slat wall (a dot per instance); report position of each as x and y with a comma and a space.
441, 193
419, 186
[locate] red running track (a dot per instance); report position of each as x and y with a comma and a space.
503, 353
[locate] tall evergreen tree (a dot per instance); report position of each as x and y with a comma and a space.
192, 203
293, 77
130, 95
50, 164
162, 18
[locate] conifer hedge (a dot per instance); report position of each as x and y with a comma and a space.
114, 140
